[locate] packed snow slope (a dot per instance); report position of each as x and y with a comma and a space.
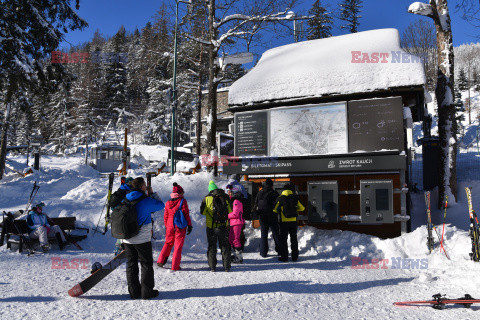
321, 285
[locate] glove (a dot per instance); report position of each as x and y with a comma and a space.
189, 229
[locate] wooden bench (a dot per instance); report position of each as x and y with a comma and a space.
13, 233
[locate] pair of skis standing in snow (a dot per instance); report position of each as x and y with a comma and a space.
440, 301
474, 227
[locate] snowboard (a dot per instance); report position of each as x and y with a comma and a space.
440, 301
97, 276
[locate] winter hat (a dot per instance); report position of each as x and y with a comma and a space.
177, 189
212, 186
269, 182
128, 180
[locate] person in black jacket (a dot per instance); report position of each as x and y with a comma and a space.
264, 204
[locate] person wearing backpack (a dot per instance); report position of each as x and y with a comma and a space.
115, 199
216, 207
139, 247
287, 208
236, 222
264, 203
175, 237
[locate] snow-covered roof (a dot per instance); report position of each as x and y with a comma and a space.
354, 63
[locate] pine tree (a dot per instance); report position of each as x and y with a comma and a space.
320, 26
462, 80
30, 31
349, 12
115, 85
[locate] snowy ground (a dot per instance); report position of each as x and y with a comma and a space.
321, 285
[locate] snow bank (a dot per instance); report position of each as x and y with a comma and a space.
360, 62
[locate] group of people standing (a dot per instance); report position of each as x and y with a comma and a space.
225, 221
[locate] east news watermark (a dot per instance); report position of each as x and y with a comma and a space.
392, 263
393, 57
59, 263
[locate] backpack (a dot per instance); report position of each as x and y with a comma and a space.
124, 219
179, 218
117, 197
289, 205
220, 210
265, 203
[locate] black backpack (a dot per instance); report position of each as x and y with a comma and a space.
117, 197
265, 203
220, 210
289, 205
124, 219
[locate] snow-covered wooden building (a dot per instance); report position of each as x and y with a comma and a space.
333, 116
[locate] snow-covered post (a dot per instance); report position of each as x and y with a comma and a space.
438, 11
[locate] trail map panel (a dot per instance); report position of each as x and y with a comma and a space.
312, 129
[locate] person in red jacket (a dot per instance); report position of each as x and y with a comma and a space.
174, 237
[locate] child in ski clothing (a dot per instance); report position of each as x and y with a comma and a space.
139, 248
217, 231
174, 237
40, 229
236, 221
288, 225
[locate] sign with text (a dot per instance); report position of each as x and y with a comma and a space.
251, 133
375, 124
271, 165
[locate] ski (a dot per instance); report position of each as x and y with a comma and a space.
111, 177
474, 227
99, 273
430, 241
440, 301
149, 183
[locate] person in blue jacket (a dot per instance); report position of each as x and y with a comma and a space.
40, 229
139, 248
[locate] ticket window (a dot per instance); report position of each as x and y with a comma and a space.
376, 201
323, 202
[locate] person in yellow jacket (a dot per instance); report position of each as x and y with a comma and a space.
287, 206
216, 207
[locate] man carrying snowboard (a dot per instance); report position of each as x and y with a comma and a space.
139, 247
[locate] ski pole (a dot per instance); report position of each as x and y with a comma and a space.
444, 218
441, 246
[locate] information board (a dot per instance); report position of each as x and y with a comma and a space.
251, 134
375, 124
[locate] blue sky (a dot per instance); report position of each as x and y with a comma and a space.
108, 15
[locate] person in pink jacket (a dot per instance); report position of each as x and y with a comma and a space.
174, 237
236, 222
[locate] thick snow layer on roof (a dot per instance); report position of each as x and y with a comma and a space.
353, 63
